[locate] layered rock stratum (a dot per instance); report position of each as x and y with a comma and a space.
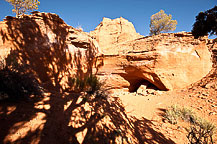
54, 51
168, 61
114, 51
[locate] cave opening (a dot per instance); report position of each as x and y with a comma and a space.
135, 83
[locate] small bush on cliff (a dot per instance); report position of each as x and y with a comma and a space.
22, 6
161, 22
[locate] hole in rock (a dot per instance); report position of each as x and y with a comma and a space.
135, 83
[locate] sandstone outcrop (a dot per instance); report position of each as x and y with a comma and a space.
111, 32
166, 61
54, 51
48, 47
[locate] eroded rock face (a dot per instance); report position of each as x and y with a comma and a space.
48, 47
54, 51
168, 61
111, 32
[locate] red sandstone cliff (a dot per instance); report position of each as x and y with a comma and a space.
48, 47
167, 61
53, 51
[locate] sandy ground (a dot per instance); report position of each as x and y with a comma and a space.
65, 119
203, 102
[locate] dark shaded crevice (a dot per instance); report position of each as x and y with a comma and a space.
137, 82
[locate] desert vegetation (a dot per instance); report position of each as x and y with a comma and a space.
205, 23
60, 85
23, 6
16, 82
200, 130
161, 22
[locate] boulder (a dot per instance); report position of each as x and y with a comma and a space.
142, 90
111, 32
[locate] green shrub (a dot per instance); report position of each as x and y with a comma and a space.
2, 63
18, 85
15, 82
172, 114
201, 131
88, 84
175, 112
187, 115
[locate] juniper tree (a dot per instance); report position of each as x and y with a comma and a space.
23, 6
161, 22
206, 23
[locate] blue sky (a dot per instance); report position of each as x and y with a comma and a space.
89, 13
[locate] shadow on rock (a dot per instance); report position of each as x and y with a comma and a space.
60, 115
